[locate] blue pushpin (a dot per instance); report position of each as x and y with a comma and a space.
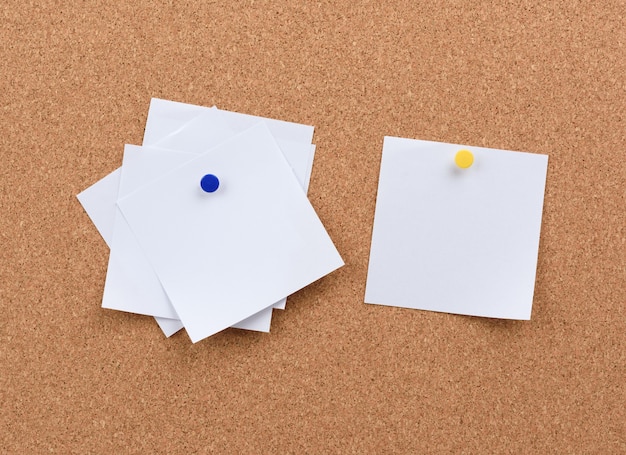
210, 183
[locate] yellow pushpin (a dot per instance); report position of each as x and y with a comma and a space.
464, 159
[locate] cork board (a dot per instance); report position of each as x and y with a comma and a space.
334, 375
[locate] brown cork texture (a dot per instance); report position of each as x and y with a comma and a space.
335, 375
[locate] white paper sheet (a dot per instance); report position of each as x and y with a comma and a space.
167, 117
99, 202
233, 253
207, 129
258, 322
456, 240
131, 284
177, 126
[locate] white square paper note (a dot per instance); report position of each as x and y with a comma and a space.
224, 256
456, 240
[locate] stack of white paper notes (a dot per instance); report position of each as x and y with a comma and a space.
207, 257
456, 229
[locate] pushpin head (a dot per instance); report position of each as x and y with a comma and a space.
209, 183
464, 159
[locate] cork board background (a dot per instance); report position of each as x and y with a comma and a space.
334, 375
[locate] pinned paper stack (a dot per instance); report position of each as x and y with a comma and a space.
203, 258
